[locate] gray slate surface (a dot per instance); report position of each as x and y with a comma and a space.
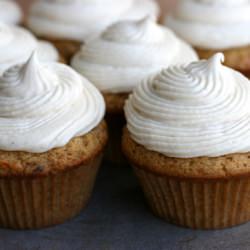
117, 218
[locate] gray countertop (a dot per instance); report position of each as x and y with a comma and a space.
118, 218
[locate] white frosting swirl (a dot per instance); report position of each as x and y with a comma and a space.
212, 24
129, 51
83, 19
17, 44
10, 12
190, 111
43, 106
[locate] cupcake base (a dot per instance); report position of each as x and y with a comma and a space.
236, 58
199, 193
197, 204
37, 202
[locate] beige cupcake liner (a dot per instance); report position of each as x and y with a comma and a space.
32, 203
197, 204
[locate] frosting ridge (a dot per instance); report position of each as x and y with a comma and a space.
43, 106
194, 110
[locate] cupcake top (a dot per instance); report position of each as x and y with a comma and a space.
43, 106
17, 44
129, 51
200, 109
212, 24
82, 19
10, 12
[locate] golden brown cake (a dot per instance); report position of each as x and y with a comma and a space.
187, 138
115, 103
80, 150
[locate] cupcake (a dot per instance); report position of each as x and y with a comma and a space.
68, 23
215, 26
10, 12
17, 45
187, 139
120, 58
52, 140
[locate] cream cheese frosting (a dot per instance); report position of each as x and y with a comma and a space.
200, 109
212, 24
44, 105
83, 19
129, 51
10, 12
17, 44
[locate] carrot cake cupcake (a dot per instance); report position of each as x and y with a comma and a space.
188, 139
52, 136
215, 26
10, 12
68, 23
17, 44
121, 57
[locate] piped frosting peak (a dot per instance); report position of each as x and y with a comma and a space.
200, 109
43, 106
129, 51
17, 44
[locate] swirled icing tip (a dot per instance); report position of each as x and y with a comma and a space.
215, 61
217, 58
33, 56
27, 67
31, 62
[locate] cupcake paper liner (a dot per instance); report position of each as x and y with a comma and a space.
197, 204
37, 202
